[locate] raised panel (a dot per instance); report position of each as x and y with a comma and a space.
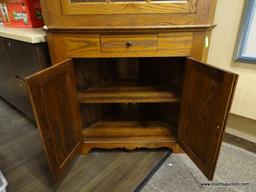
85, 7
206, 100
53, 95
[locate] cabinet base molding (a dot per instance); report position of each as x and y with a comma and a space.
130, 144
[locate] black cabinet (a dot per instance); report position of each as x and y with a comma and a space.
27, 58
18, 60
6, 73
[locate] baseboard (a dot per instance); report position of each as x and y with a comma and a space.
240, 142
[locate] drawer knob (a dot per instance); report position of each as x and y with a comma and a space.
129, 43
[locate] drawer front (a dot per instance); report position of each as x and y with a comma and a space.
80, 45
178, 43
128, 43
21, 100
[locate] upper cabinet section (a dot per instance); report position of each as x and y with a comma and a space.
126, 14
85, 7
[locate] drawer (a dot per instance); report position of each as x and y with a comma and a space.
177, 43
21, 100
127, 43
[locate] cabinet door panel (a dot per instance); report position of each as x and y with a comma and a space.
206, 100
54, 100
85, 7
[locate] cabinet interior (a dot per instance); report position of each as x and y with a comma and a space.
129, 97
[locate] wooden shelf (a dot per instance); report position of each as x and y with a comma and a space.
130, 129
127, 92
130, 123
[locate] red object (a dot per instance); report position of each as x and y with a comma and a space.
22, 13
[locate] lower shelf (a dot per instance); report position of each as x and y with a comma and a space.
121, 129
131, 126
129, 135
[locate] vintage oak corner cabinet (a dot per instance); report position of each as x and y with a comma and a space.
128, 74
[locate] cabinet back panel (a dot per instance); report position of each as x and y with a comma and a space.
167, 112
94, 72
167, 72
92, 113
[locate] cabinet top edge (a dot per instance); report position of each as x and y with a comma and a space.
167, 28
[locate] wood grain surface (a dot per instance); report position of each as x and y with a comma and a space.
206, 100
116, 43
53, 95
127, 92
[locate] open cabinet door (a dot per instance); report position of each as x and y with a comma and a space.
206, 100
53, 95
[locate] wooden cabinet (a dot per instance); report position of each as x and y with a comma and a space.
132, 103
118, 82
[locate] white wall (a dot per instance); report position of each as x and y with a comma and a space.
227, 17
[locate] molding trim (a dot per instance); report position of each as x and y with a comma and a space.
240, 142
132, 29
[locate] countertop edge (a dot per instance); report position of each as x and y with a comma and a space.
33, 36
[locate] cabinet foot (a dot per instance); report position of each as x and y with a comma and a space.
85, 150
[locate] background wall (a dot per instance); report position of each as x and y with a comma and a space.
228, 16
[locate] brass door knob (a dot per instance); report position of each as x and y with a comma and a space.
129, 43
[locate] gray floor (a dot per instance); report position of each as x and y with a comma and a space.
179, 174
